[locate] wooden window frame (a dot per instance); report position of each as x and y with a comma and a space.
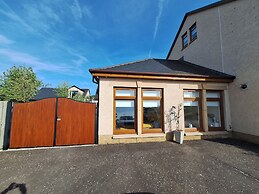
222, 118
184, 46
128, 131
160, 98
190, 31
199, 100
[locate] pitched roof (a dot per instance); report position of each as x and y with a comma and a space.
163, 67
45, 93
219, 3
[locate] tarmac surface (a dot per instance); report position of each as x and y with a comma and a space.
206, 166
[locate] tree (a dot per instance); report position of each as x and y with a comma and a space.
79, 97
62, 90
19, 84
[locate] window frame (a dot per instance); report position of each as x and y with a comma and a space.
160, 98
222, 118
128, 131
195, 99
184, 46
191, 30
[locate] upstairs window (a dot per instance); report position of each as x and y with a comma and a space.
193, 32
73, 93
184, 40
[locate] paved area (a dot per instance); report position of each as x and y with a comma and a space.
218, 166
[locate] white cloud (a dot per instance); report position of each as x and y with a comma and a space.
76, 10
5, 10
20, 58
160, 10
159, 14
5, 40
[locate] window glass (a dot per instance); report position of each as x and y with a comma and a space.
188, 94
185, 40
73, 93
125, 92
191, 114
125, 114
213, 94
213, 109
151, 114
151, 93
193, 32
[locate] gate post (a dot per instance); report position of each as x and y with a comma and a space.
55, 122
5, 123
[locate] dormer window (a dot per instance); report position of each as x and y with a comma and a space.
73, 93
184, 40
193, 32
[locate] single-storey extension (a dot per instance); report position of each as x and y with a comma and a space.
135, 100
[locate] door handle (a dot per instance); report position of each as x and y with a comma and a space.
58, 118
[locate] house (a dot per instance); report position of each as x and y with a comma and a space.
50, 93
224, 36
134, 99
211, 68
73, 90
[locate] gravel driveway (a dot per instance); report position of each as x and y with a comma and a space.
215, 166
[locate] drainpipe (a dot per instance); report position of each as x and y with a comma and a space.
96, 81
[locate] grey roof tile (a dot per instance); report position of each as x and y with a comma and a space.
164, 67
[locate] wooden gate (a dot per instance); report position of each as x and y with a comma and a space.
75, 122
53, 121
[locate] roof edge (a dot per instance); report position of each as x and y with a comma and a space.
159, 74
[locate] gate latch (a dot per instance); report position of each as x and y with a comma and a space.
58, 118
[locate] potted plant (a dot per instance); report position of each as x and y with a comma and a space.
175, 116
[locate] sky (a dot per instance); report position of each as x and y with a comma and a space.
62, 39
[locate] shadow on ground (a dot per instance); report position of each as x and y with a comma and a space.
12, 186
253, 149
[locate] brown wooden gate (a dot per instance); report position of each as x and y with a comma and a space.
33, 124
75, 123
53, 121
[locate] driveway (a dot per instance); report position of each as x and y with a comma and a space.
218, 166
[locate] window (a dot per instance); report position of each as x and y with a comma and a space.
192, 110
214, 110
193, 32
124, 111
184, 40
152, 111
73, 93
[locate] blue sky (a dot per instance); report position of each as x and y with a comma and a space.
62, 39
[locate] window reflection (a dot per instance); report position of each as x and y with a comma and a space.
152, 114
191, 114
125, 114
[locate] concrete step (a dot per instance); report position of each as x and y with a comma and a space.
206, 135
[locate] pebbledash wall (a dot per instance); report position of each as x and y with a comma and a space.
172, 96
228, 41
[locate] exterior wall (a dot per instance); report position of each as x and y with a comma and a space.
172, 96
228, 41
208, 35
5, 123
75, 89
3, 110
